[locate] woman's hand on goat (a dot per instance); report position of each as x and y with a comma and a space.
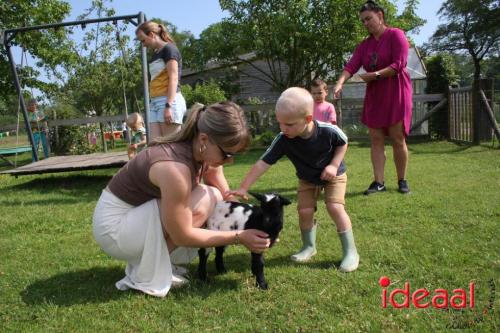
241, 192
229, 197
255, 240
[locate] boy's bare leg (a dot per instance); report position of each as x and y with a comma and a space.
339, 216
307, 227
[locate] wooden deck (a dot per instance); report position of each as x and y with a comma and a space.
71, 163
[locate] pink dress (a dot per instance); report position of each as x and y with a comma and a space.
325, 112
389, 100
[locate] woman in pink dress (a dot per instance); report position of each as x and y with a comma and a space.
388, 102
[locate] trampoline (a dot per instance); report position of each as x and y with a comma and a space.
9, 151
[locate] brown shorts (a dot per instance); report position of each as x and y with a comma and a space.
308, 193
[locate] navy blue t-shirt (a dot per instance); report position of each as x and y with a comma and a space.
309, 156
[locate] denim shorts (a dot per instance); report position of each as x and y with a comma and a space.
157, 106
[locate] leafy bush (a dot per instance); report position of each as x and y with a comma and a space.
72, 140
441, 73
265, 139
205, 93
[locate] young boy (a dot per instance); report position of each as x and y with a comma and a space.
316, 149
323, 110
138, 136
38, 123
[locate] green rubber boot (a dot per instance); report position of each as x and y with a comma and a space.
350, 259
308, 245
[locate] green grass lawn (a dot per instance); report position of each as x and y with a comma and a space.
54, 277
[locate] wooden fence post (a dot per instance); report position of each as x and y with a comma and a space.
482, 128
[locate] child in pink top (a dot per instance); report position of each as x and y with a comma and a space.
323, 110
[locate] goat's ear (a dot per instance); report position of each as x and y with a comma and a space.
258, 196
284, 201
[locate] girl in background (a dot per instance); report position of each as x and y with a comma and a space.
167, 105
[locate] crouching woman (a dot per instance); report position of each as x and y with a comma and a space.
156, 202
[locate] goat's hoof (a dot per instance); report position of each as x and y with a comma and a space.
262, 285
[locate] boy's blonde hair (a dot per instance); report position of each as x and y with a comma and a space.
134, 118
296, 100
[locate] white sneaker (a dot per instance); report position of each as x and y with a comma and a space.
178, 281
179, 270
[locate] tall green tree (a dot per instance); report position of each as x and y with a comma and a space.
95, 84
217, 43
299, 40
49, 46
441, 74
183, 40
472, 27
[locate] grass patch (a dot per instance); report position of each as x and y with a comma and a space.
53, 276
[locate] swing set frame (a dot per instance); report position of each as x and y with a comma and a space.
7, 37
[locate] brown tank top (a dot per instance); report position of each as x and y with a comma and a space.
132, 185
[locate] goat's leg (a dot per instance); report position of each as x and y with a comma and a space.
202, 266
258, 270
219, 259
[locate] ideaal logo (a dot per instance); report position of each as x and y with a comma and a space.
439, 299
460, 303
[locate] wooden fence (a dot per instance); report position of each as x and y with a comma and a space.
261, 117
460, 115
471, 116
68, 122
464, 124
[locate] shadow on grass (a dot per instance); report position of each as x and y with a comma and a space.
241, 263
72, 182
95, 285
425, 149
215, 284
64, 190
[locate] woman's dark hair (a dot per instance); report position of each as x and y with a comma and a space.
373, 7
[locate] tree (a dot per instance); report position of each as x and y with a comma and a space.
217, 43
299, 40
49, 46
472, 27
183, 41
441, 74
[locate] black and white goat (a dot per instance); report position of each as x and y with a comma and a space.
227, 215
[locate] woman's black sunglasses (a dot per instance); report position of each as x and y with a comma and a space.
225, 154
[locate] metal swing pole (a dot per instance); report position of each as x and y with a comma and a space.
8, 35
124, 60
145, 81
21, 97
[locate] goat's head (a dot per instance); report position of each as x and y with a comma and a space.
271, 200
271, 205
